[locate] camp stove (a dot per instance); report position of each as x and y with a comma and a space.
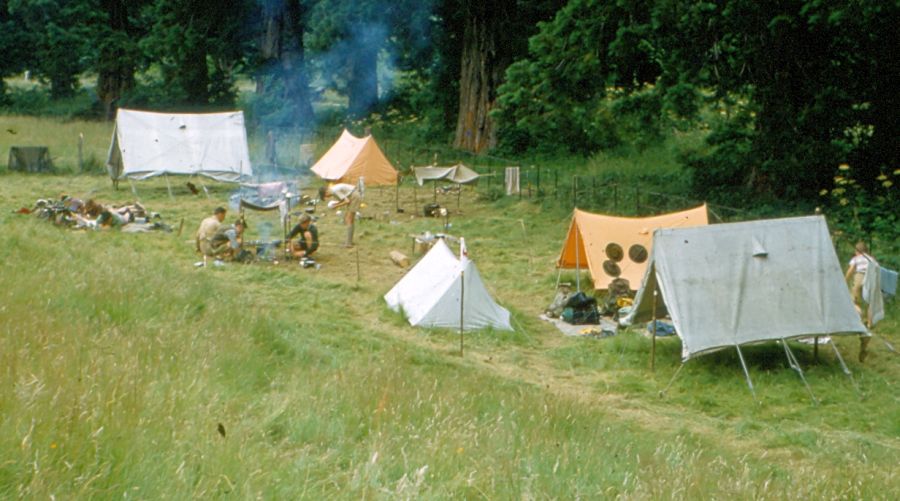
264, 250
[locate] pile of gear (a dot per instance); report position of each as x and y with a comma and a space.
75, 213
578, 308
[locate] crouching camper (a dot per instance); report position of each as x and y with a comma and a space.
308, 242
208, 228
226, 242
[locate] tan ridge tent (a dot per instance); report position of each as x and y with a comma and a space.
618, 247
352, 157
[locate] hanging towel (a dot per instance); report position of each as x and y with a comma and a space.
888, 281
512, 180
872, 294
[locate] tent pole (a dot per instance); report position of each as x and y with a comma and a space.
746, 372
415, 195
397, 194
816, 348
845, 368
285, 228
886, 343
169, 186
462, 296
199, 180
577, 261
677, 372
558, 275
795, 364
133, 189
653, 336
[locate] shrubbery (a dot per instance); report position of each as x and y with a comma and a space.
866, 214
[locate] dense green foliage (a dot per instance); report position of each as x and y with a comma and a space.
783, 91
801, 86
57, 37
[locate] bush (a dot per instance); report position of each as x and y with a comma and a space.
867, 214
37, 101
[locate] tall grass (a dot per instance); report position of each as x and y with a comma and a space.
120, 363
62, 136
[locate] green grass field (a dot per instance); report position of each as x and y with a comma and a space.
120, 362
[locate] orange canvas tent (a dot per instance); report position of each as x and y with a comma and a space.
618, 247
353, 157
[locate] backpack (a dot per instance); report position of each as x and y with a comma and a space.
581, 309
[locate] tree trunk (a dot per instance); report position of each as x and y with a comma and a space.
482, 70
363, 79
116, 75
282, 41
193, 67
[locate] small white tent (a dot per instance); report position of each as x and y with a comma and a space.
147, 144
727, 285
430, 293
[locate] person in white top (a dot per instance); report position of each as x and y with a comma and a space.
859, 263
347, 196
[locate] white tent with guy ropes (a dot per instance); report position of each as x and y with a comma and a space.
728, 285
443, 291
147, 144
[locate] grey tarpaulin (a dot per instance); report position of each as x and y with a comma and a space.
459, 174
726, 285
30, 159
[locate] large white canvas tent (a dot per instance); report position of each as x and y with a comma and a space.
728, 285
429, 294
618, 247
147, 144
353, 157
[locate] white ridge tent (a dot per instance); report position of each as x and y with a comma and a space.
147, 144
728, 285
429, 294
